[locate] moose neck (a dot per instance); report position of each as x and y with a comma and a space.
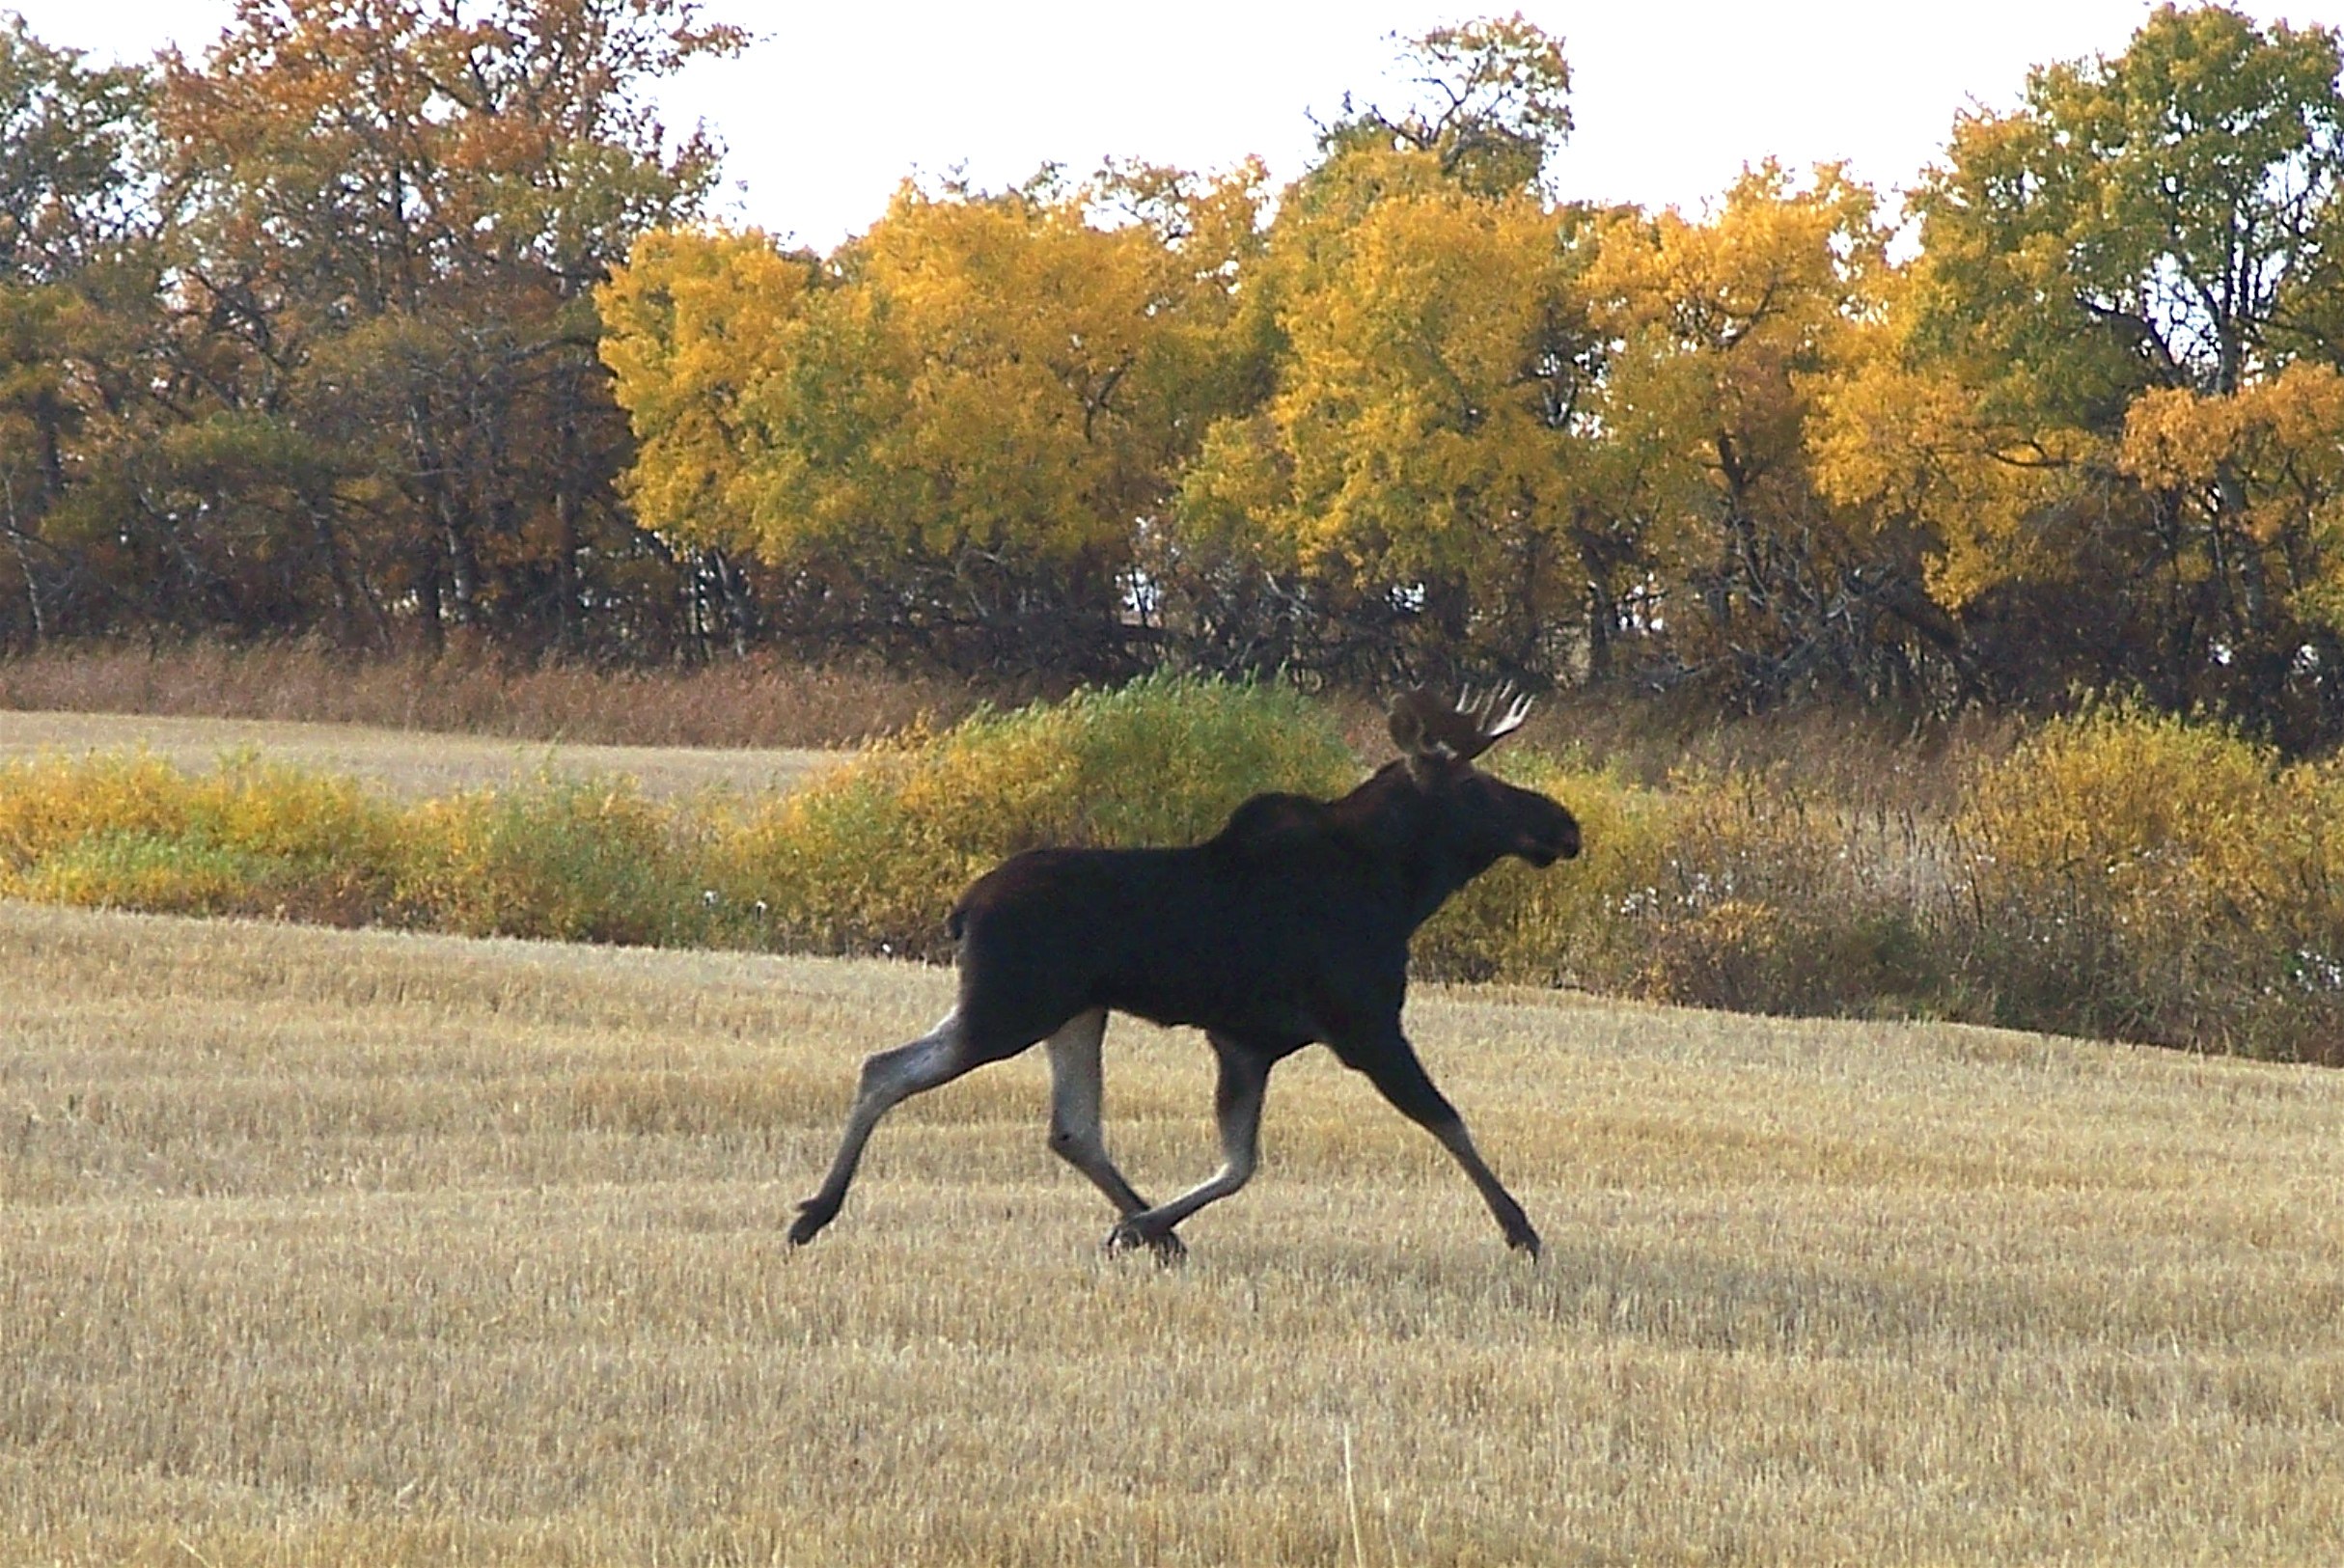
1405, 822
1433, 875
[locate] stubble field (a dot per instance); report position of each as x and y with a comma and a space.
323, 1246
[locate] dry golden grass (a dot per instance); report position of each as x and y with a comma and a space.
762, 701
403, 761
329, 1248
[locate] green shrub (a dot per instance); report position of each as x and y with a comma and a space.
561, 859
152, 872
871, 857
1774, 899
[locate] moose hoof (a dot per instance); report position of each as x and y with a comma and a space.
809, 1223
1128, 1237
1525, 1242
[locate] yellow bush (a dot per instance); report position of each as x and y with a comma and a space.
51, 802
1571, 923
2140, 874
2140, 810
133, 831
872, 855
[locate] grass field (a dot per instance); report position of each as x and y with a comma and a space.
403, 761
320, 1247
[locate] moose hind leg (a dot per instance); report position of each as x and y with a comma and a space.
889, 1079
1077, 1099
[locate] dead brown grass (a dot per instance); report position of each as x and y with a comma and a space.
330, 1248
758, 703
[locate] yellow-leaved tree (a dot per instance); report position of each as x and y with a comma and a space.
2265, 463
1413, 493
1727, 333
2101, 391
954, 431
1414, 479
689, 326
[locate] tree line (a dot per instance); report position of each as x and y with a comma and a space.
390, 322
300, 337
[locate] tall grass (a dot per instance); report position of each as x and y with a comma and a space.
757, 702
1742, 890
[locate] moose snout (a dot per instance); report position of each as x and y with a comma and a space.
1551, 841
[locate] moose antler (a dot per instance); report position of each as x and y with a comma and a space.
1423, 726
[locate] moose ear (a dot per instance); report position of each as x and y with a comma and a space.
1415, 718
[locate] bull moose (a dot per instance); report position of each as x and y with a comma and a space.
1290, 926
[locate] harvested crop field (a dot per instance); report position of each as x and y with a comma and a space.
366, 1247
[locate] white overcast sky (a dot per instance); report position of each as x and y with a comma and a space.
838, 102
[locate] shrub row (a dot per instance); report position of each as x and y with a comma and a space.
559, 858
866, 859
2114, 875
869, 857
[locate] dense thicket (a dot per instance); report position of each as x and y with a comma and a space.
388, 322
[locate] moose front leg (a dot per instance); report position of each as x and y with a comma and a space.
1391, 1064
1245, 1074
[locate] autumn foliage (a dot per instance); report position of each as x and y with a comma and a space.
2115, 873
300, 336
396, 324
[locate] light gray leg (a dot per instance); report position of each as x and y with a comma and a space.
1077, 1092
889, 1079
1237, 1107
